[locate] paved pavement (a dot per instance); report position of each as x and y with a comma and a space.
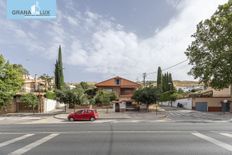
170, 114
27, 118
181, 132
117, 139
177, 114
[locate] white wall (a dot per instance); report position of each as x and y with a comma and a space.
49, 105
186, 102
59, 105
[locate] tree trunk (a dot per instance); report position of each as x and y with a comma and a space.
231, 97
156, 110
74, 107
147, 107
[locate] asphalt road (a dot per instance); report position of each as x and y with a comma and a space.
117, 139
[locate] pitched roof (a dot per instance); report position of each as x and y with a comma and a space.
123, 83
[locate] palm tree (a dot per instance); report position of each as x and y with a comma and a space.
47, 79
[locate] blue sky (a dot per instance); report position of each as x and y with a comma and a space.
105, 38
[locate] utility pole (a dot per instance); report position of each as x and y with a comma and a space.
144, 79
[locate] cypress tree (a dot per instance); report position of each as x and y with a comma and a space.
164, 82
167, 83
56, 75
59, 75
61, 67
159, 79
170, 82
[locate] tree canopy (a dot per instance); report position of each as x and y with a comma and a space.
31, 100
11, 80
104, 97
146, 95
211, 51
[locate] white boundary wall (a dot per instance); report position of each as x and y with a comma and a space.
49, 105
186, 102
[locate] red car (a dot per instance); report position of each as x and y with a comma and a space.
85, 114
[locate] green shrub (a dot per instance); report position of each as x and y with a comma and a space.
50, 95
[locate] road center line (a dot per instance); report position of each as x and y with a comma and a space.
15, 140
33, 145
214, 141
226, 134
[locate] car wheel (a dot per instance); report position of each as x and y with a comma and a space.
71, 119
92, 119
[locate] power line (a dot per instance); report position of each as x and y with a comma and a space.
175, 65
168, 67
148, 73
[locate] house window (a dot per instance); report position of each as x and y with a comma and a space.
108, 89
117, 81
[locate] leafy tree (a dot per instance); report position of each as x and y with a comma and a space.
169, 96
78, 97
84, 85
61, 97
104, 97
31, 100
146, 95
21, 68
173, 97
50, 95
11, 81
59, 75
180, 91
159, 79
211, 52
72, 97
91, 92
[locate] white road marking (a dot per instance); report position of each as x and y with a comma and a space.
102, 131
214, 141
15, 140
226, 134
33, 145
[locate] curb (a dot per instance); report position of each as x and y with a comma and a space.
60, 118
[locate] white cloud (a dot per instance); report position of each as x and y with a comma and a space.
100, 45
117, 52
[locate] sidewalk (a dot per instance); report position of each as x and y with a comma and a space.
54, 112
104, 115
59, 116
21, 118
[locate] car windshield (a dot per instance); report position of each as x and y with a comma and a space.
79, 112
